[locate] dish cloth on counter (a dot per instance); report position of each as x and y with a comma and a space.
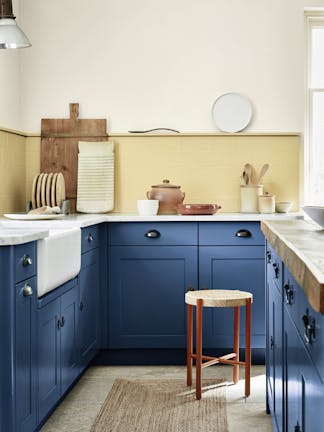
45, 210
95, 191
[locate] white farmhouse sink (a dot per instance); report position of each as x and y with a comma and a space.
58, 258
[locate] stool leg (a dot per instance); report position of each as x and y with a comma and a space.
236, 343
248, 324
198, 347
189, 345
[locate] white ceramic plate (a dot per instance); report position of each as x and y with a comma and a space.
232, 112
24, 216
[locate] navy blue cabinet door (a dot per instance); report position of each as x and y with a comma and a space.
25, 352
303, 386
48, 357
275, 354
89, 311
68, 330
232, 267
147, 285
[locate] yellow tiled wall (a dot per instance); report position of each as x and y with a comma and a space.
207, 167
12, 172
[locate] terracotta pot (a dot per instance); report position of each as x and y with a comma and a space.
169, 197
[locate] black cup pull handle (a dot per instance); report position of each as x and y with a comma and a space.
309, 328
243, 233
152, 234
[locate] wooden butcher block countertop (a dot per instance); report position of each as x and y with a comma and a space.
300, 245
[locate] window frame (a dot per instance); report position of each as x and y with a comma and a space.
313, 19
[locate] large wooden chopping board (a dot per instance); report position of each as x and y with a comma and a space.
59, 146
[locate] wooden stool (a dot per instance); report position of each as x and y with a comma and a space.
218, 298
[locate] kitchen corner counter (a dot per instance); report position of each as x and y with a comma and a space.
299, 243
21, 231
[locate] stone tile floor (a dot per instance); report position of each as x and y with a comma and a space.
78, 410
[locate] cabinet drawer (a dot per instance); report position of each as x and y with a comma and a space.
151, 233
230, 233
25, 261
89, 238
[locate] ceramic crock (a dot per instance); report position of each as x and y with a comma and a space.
169, 197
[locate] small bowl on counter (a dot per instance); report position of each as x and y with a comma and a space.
283, 206
197, 209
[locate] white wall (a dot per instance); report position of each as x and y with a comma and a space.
10, 84
152, 63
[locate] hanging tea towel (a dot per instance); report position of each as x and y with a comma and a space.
95, 191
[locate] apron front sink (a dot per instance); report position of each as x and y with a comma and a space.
58, 258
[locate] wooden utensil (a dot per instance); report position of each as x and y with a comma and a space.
264, 169
248, 172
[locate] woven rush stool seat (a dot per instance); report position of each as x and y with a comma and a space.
218, 298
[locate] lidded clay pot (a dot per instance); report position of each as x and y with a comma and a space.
169, 197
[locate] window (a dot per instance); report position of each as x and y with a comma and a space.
314, 130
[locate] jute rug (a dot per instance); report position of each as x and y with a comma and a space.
163, 406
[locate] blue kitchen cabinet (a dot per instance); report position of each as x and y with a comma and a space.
57, 320
304, 389
93, 293
274, 339
231, 257
275, 353
18, 367
295, 389
89, 307
151, 266
25, 355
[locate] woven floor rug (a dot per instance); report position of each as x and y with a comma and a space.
163, 406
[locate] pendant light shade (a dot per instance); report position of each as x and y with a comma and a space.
11, 36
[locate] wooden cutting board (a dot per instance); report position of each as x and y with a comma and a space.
59, 146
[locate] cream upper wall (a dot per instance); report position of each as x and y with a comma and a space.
10, 83
151, 63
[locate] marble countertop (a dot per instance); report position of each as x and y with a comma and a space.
299, 243
21, 231
15, 235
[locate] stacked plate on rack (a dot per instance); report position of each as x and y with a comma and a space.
48, 190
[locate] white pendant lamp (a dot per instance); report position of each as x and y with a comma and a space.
11, 36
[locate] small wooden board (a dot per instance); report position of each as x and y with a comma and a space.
59, 146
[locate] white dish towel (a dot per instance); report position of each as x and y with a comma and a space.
95, 192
